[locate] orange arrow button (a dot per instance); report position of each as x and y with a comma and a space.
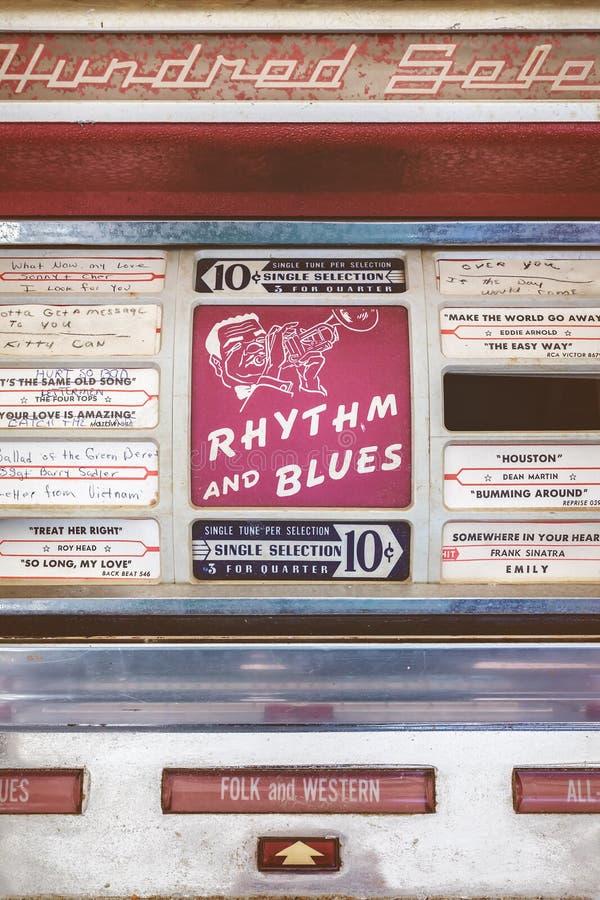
298, 854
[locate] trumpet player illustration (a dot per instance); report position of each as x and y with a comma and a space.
286, 358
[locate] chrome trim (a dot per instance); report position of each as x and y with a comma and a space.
277, 233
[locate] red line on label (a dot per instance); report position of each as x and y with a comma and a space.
82, 539
525, 481
524, 337
41, 277
127, 477
525, 560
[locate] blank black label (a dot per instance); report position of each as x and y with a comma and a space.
475, 402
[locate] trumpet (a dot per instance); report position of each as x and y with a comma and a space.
322, 336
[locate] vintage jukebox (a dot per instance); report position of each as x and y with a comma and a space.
299, 450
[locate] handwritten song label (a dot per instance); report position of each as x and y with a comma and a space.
560, 333
485, 552
78, 398
107, 330
81, 273
79, 549
526, 277
522, 476
302, 406
75, 473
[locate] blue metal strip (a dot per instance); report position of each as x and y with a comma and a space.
301, 605
288, 233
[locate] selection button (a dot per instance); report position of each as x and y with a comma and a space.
298, 854
39, 791
280, 789
556, 790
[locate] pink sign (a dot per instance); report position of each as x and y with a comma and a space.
300, 406
305, 790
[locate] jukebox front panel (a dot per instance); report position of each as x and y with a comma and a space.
299, 406
290, 415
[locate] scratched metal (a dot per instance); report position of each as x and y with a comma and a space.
289, 233
306, 67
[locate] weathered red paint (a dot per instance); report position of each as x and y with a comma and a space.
300, 170
67, 67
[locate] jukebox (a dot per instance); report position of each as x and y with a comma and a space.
299, 451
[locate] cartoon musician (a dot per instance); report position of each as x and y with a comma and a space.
285, 358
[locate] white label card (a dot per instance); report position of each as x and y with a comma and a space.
92, 331
79, 398
486, 552
513, 277
80, 549
522, 476
82, 272
78, 473
562, 334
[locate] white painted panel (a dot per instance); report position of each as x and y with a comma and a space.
473, 846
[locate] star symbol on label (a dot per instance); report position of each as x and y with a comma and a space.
573, 476
107, 398
107, 548
256, 278
487, 478
46, 549
488, 333
568, 333
23, 399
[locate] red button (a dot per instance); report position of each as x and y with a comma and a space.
298, 854
35, 791
302, 790
556, 790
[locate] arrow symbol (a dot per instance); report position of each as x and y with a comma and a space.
450, 553
299, 854
201, 549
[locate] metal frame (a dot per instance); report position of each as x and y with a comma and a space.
281, 233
